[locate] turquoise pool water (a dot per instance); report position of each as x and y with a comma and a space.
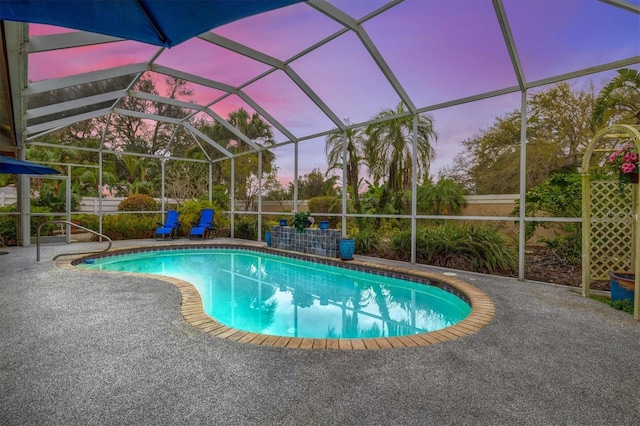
268, 294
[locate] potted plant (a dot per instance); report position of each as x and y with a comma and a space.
622, 285
624, 162
347, 247
301, 221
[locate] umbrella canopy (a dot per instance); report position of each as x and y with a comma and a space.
10, 165
160, 22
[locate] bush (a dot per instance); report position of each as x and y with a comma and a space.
138, 203
625, 305
558, 196
246, 227
401, 245
470, 247
367, 241
129, 226
567, 242
90, 221
38, 220
190, 213
9, 226
326, 205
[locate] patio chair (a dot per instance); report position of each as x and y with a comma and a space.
170, 227
204, 227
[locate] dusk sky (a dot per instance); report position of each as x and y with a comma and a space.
439, 50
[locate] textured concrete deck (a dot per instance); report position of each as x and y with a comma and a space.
79, 347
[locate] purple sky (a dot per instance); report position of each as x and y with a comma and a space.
439, 50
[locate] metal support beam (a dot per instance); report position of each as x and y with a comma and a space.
259, 196
414, 187
344, 183
509, 42
233, 195
623, 4
523, 186
295, 177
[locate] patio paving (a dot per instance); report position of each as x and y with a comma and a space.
79, 347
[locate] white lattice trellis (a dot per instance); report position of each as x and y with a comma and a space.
610, 220
611, 235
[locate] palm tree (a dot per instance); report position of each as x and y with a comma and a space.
89, 179
388, 150
618, 101
355, 144
444, 198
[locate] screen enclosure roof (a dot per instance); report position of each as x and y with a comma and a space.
307, 68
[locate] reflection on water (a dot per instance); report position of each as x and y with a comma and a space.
268, 294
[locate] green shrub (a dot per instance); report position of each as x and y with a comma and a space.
129, 226
559, 196
401, 245
138, 203
319, 205
246, 227
471, 247
367, 241
190, 213
38, 220
9, 226
567, 242
90, 221
625, 305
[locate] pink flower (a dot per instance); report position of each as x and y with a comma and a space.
628, 167
631, 157
613, 156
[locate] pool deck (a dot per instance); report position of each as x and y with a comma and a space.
80, 347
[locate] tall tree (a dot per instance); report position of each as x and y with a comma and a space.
355, 147
388, 149
138, 135
315, 184
618, 101
246, 165
557, 134
559, 117
134, 134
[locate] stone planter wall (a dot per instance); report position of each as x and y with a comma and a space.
321, 242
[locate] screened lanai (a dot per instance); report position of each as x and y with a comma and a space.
310, 69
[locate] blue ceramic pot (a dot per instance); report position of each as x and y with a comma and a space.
324, 224
621, 285
283, 222
347, 248
267, 238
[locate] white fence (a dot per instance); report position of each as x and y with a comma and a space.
502, 204
87, 204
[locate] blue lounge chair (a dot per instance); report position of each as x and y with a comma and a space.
204, 227
170, 227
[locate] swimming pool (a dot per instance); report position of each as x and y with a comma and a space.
265, 294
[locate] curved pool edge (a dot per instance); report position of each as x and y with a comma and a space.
482, 307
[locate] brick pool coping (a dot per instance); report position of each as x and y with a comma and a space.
482, 307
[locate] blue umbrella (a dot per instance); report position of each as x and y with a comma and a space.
160, 22
10, 165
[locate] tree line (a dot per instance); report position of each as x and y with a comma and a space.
561, 122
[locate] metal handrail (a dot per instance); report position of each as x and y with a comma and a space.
66, 222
